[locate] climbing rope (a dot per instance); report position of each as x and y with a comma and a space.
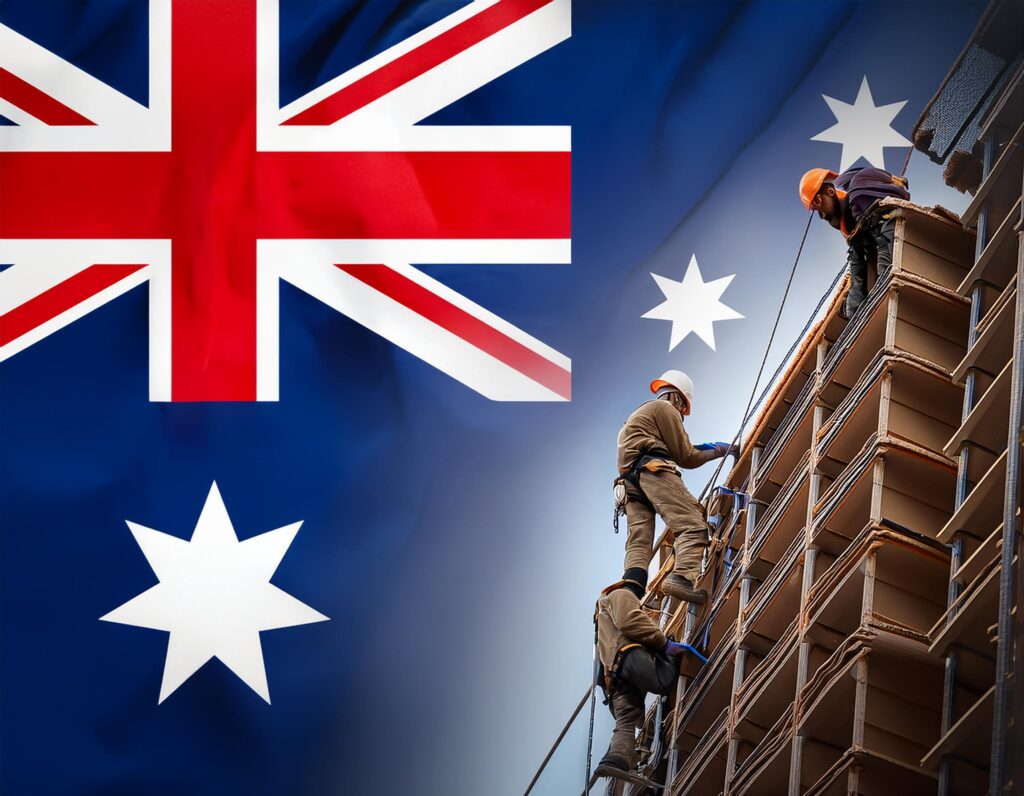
796, 343
906, 162
764, 360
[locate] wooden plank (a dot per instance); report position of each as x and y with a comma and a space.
981, 507
978, 718
996, 263
982, 426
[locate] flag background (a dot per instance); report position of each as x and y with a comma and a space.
457, 544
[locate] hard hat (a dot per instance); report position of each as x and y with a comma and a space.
811, 183
677, 380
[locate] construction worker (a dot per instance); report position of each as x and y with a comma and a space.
651, 445
844, 200
636, 658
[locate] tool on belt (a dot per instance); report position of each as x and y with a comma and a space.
650, 463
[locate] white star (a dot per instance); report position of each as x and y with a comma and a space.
214, 596
692, 305
863, 128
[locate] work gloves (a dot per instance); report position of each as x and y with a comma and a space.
674, 648
727, 449
720, 448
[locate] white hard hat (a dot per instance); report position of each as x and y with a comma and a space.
677, 380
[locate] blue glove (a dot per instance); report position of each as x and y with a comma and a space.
721, 448
674, 648
727, 449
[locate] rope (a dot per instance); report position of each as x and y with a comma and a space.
767, 349
558, 740
796, 342
748, 412
906, 162
785, 360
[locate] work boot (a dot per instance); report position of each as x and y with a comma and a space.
678, 586
611, 765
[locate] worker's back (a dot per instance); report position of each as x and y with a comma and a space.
641, 435
864, 186
622, 621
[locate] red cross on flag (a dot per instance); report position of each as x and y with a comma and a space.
213, 193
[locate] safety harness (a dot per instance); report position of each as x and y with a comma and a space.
870, 215
609, 677
652, 463
653, 672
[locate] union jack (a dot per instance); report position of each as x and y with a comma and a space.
213, 193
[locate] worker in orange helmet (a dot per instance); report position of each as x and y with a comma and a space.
652, 444
844, 201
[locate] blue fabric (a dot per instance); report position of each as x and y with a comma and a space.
865, 186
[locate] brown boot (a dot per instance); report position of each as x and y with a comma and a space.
612, 765
680, 587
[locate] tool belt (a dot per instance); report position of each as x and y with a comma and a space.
652, 463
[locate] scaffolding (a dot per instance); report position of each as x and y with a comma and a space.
820, 678
975, 635
862, 624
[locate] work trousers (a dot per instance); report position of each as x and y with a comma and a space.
873, 242
683, 515
627, 703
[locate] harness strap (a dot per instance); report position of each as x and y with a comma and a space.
653, 463
612, 677
875, 212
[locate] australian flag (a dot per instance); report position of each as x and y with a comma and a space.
318, 319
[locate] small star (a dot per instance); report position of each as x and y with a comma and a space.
692, 305
863, 128
214, 597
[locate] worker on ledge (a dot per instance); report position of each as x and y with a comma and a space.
844, 200
651, 445
636, 658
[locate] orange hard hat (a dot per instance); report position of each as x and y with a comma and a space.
811, 183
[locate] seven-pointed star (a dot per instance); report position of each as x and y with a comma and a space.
692, 305
863, 128
214, 596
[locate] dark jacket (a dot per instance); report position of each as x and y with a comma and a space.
865, 186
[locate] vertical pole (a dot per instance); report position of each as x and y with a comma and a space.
956, 547
1004, 647
593, 706
656, 745
673, 750
1017, 762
